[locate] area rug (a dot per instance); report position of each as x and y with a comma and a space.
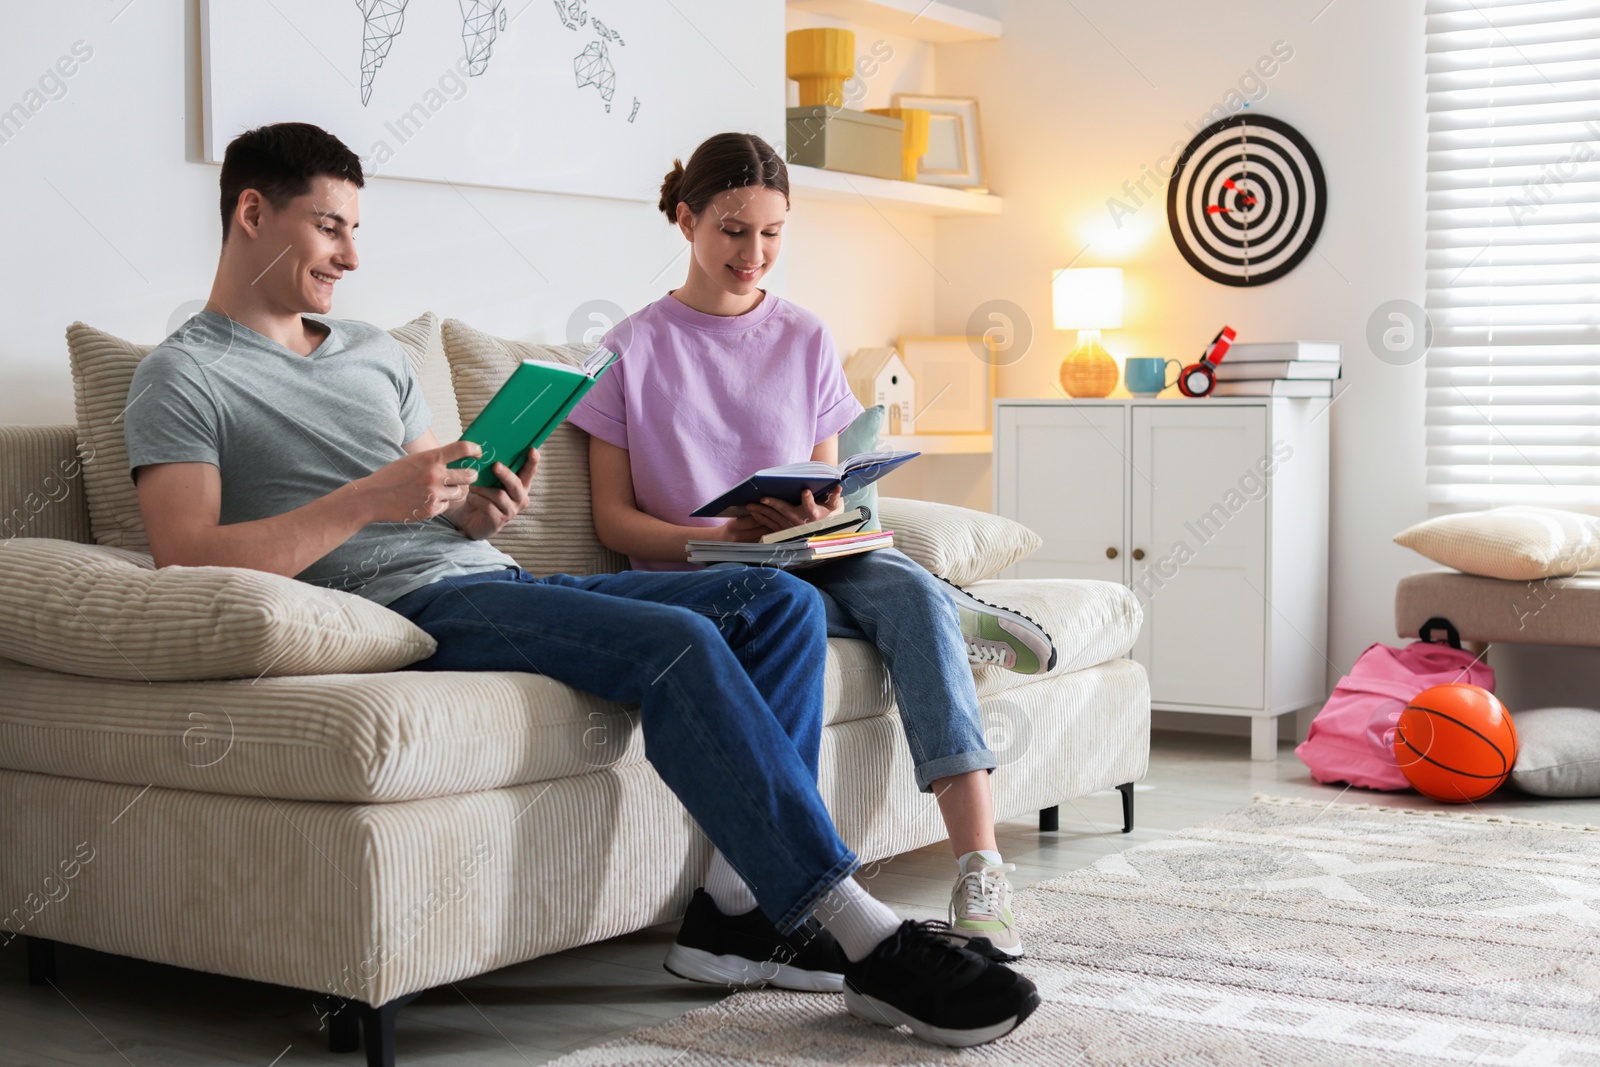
1285, 932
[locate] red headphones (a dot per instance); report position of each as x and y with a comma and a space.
1198, 379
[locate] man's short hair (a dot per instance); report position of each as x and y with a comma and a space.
280, 161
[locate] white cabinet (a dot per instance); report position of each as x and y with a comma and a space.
1083, 519
1214, 511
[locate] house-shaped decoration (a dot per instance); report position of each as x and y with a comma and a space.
878, 376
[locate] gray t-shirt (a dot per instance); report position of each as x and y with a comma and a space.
284, 429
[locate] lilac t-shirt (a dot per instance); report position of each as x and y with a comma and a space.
703, 401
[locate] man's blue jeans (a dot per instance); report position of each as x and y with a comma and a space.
887, 598
726, 667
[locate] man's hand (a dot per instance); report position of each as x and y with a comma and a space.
419, 486
484, 511
775, 514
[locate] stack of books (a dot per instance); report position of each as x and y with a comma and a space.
798, 552
1283, 368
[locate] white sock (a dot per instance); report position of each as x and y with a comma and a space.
988, 855
858, 921
728, 891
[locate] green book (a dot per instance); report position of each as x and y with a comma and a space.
527, 409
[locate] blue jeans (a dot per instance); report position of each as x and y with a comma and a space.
888, 599
727, 671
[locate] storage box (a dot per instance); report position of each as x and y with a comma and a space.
840, 139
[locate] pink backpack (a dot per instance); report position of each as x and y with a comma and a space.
1352, 737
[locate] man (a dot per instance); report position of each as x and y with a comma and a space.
266, 435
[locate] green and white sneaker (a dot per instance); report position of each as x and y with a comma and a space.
980, 910
1000, 637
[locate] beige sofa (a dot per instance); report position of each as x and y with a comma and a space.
370, 834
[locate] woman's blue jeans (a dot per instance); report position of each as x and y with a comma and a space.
726, 667
887, 598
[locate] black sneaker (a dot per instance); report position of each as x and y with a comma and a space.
945, 994
748, 951
981, 946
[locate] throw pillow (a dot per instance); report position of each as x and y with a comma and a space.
424, 345
109, 613
102, 372
864, 435
554, 534
1558, 752
1516, 543
958, 544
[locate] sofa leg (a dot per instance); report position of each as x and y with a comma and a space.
1049, 819
344, 1025
41, 961
377, 1030
1126, 789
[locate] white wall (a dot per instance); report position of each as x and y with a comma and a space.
110, 218
1078, 98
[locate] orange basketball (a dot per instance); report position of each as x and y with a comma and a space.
1456, 742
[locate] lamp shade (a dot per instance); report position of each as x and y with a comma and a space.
1087, 298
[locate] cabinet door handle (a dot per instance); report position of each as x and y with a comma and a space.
1138, 553
1111, 553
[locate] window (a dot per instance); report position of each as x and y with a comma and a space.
1513, 253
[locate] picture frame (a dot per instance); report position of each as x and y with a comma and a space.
955, 384
955, 140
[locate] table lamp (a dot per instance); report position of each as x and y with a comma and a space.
1088, 299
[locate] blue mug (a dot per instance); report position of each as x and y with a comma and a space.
1147, 375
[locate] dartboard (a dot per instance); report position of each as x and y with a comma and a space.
1246, 200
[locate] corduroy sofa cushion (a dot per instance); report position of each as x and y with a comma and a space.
102, 372
357, 738
554, 534
101, 612
1090, 622
957, 544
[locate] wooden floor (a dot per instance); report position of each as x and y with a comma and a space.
115, 1011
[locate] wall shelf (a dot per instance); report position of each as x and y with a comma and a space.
942, 444
920, 20
811, 183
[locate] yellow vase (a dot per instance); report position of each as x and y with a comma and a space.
914, 143
1088, 370
820, 60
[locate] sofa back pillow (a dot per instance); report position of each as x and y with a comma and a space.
102, 372
106, 612
424, 347
554, 534
957, 544
865, 434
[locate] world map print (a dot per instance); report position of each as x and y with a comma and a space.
482, 21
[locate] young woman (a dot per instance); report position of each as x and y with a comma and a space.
720, 378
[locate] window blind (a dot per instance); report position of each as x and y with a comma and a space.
1513, 252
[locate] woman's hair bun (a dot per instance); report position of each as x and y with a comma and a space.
670, 186
725, 161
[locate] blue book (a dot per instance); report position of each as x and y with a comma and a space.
787, 482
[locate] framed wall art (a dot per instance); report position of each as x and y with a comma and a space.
955, 143
955, 382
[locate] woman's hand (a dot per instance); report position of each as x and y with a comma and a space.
775, 514
746, 528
